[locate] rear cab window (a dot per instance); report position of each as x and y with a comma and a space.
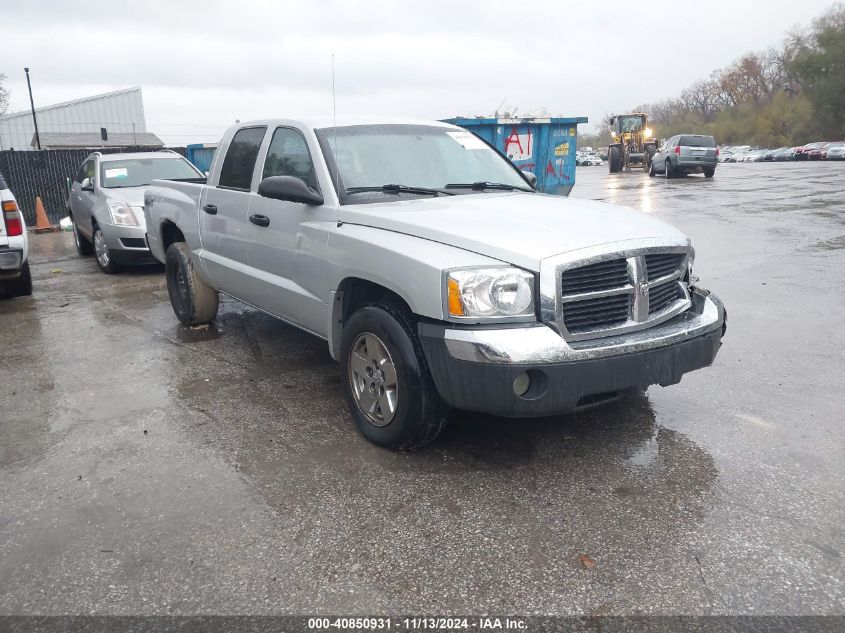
697, 141
239, 163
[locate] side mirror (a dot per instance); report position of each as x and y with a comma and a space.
290, 189
87, 185
532, 177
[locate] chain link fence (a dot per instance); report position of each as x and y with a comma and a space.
46, 174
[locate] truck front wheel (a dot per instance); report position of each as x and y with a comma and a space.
193, 300
388, 388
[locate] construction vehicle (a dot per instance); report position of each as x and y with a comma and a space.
633, 143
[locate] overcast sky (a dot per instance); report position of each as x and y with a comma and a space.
202, 65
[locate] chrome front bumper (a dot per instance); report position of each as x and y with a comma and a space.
539, 344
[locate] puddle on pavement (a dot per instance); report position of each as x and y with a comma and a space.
198, 334
835, 244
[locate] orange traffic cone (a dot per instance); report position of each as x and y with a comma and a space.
42, 224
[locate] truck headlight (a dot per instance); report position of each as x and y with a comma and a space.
648, 132
121, 213
479, 293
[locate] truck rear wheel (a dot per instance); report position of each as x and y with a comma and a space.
193, 300
388, 388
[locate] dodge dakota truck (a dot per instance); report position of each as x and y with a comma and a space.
435, 272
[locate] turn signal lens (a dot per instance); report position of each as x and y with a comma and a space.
456, 306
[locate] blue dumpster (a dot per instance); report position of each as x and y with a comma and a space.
544, 146
200, 154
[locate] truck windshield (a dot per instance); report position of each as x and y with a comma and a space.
368, 157
137, 172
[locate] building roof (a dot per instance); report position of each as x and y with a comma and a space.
54, 140
73, 102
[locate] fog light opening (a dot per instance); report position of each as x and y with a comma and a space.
521, 384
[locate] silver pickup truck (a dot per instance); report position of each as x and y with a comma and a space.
435, 272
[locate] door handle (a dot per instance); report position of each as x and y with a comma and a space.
210, 209
259, 220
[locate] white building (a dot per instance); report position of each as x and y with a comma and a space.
121, 112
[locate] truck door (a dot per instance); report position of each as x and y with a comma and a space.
223, 215
287, 240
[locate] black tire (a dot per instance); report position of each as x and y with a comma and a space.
420, 414
22, 286
649, 154
651, 171
83, 245
708, 173
614, 160
102, 254
193, 300
670, 173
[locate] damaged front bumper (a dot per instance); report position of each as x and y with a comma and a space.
481, 369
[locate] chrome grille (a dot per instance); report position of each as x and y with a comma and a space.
662, 264
589, 314
662, 296
627, 292
594, 277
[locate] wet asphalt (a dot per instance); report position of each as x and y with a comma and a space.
150, 469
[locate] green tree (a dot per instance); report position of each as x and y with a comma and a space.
820, 69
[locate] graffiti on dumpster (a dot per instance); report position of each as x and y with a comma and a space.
519, 146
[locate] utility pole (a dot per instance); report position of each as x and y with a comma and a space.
32, 105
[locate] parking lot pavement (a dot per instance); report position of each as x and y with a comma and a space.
147, 468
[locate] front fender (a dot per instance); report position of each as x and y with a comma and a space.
410, 266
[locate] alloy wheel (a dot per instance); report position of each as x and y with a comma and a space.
373, 379
101, 250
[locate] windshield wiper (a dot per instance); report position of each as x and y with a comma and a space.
399, 189
482, 185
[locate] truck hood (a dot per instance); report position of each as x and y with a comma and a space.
518, 228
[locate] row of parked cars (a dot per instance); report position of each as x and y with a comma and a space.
821, 150
397, 243
588, 159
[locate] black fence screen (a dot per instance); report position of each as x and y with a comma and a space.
45, 174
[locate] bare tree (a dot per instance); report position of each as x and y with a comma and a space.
4, 96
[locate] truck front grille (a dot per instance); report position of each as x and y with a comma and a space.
662, 264
622, 293
600, 276
662, 296
589, 314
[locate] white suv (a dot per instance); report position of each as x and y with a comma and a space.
15, 279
